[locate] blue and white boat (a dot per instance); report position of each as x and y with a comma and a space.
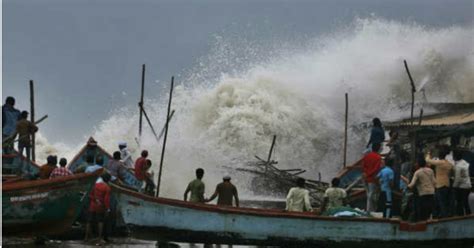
174, 220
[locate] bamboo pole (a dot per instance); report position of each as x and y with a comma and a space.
164, 139
420, 118
32, 116
413, 90
345, 130
141, 102
270, 153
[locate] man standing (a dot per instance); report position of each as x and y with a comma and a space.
298, 198
126, 155
377, 133
196, 187
9, 118
334, 196
62, 170
24, 129
140, 163
443, 169
424, 181
386, 178
45, 170
114, 167
371, 164
225, 190
99, 206
462, 184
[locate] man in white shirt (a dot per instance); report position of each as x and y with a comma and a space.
125, 154
462, 184
298, 198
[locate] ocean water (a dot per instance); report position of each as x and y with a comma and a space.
241, 94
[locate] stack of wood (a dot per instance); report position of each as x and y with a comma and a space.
270, 180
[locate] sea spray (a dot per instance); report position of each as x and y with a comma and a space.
228, 109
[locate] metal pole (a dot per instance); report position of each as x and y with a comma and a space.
164, 139
141, 102
345, 130
32, 116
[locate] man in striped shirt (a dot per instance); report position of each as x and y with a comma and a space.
61, 171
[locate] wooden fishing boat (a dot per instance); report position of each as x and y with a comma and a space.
47, 206
93, 149
14, 165
174, 220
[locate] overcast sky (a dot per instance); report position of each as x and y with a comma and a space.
85, 56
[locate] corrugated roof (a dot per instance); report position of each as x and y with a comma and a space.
447, 119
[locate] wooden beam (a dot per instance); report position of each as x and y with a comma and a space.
32, 118
149, 123
164, 139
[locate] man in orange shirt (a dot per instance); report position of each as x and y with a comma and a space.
371, 164
443, 169
24, 129
45, 170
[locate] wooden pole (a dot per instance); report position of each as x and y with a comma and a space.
32, 116
414, 141
413, 90
141, 102
345, 130
270, 153
164, 139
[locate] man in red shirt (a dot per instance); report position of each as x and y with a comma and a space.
99, 207
140, 163
371, 164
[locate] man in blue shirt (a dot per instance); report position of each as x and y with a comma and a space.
385, 177
9, 118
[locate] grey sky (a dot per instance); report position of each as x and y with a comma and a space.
83, 55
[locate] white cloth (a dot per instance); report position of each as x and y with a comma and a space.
298, 200
461, 175
126, 157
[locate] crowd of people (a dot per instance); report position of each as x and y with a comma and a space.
431, 187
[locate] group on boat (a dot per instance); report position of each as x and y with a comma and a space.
432, 184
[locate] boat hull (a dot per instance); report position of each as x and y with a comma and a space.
158, 218
40, 207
